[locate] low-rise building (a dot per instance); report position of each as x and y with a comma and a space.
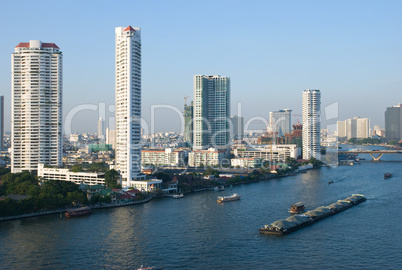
246, 162
88, 178
147, 185
162, 157
278, 152
210, 157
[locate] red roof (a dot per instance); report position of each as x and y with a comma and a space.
23, 45
44, 45
133, 191
50, 45
129, 28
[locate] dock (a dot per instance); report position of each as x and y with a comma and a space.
296, 222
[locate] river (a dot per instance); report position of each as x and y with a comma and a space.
196, 232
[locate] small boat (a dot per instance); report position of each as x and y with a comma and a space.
296, 208
330, 182
178, 196
149, 268
77, 212
220, 188
387, 175
233, 197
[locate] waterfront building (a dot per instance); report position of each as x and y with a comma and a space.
188, 123
393, 123
237, 127
101, 129
246, 162
2, 123
162, 157
277, 153
128, 103
311, 124
59, 174
36, 117
204, 158
111, 137
280, 122
354, 128
211, 112
147, 185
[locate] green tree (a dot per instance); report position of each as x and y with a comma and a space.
111, 179
76, 168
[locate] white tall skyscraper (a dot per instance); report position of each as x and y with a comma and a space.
128, 103
311, 124
36, 117
211, 125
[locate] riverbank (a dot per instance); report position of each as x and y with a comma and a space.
58, 211
113, 205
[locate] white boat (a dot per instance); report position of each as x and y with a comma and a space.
233, 197
178, 196
220, 188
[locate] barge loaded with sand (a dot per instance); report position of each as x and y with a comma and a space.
296, 222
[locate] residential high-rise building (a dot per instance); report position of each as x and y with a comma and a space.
188, 123
393, 123
341, 129
281, 122
211, 112
128, 103
354, 128
101, 129
311, 124
36, 117
1, 123
111, 137
237, 127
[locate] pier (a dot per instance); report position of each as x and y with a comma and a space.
296, 222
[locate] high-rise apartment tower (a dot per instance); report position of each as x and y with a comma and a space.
211, 112
36, 117
128, 103
311, 124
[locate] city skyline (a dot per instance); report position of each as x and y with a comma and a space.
346, 57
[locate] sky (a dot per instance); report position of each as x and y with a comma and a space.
271, 50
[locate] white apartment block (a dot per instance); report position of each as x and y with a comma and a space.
36, 117
278, 152
88, 178
354, 128
311, 124
211, 124
202, 158
128, 103
111, 137
163, 157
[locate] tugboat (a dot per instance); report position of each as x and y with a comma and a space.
77, 212
232, 197
296, 208
387, 175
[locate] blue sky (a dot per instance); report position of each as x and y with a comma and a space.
272, 50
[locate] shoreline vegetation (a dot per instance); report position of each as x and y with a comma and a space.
54, 197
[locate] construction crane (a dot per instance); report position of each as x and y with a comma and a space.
185, 100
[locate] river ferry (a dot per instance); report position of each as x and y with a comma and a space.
233, 197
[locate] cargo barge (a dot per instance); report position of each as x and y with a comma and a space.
296, 222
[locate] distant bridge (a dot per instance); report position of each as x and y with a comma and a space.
375, 154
